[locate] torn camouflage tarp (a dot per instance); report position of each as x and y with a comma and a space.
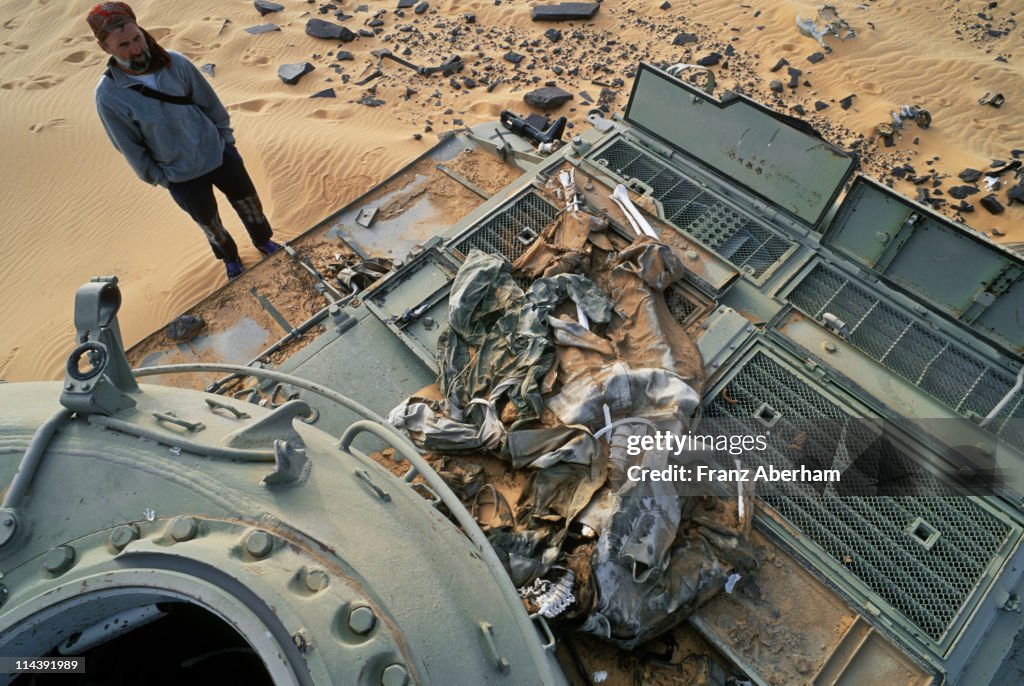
553, 379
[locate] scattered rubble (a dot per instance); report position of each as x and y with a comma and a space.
833, 25
262, 28
318, 28
794, 77
185, 328
961, 192
547, 98
1016, 194
265, 8
993, 99
709, 60
291, 73
992, 204
565, 11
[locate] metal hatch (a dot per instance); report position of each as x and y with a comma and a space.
780, 159
936, 261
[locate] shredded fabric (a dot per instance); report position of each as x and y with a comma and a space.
552, 379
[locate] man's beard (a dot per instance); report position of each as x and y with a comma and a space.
137, 64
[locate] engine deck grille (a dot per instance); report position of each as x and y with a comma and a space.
945, 370
880, 539
512, 229
746, 244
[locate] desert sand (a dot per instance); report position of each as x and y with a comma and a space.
73, 209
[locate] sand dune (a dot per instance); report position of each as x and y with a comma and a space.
73, 209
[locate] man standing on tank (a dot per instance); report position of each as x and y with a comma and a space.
163, 116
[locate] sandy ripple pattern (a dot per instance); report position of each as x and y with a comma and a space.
73, 209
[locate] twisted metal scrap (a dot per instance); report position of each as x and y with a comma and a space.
550, 599
834, 25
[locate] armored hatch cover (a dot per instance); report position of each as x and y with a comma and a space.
945, 266
780, 159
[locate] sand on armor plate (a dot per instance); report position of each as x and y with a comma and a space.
73, 209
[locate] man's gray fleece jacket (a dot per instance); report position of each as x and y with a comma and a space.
165, 142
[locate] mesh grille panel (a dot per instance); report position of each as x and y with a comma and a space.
679, 304
867, 536
945, 370
506, 232
744, 243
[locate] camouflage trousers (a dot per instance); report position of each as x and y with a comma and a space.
195, 196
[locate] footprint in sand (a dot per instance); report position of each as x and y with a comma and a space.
329, 115
159, 33
195, 48
871, 88
43, 82
254, 60
16, 47
491, 109
33, 83
74, 40
87, 58
39, 128
257, 105
12, 23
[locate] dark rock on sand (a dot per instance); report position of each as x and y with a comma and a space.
184, 328
262, 28
565, 11
291, 73
992, 204
318, 28
265, 8
547, 98
961, 192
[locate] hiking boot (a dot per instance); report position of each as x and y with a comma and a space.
234, 268
269, 248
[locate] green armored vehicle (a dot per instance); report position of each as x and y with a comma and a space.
544, 328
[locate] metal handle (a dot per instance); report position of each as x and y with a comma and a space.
492, 648
548, 635
217, 405
171, 418
381, 493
